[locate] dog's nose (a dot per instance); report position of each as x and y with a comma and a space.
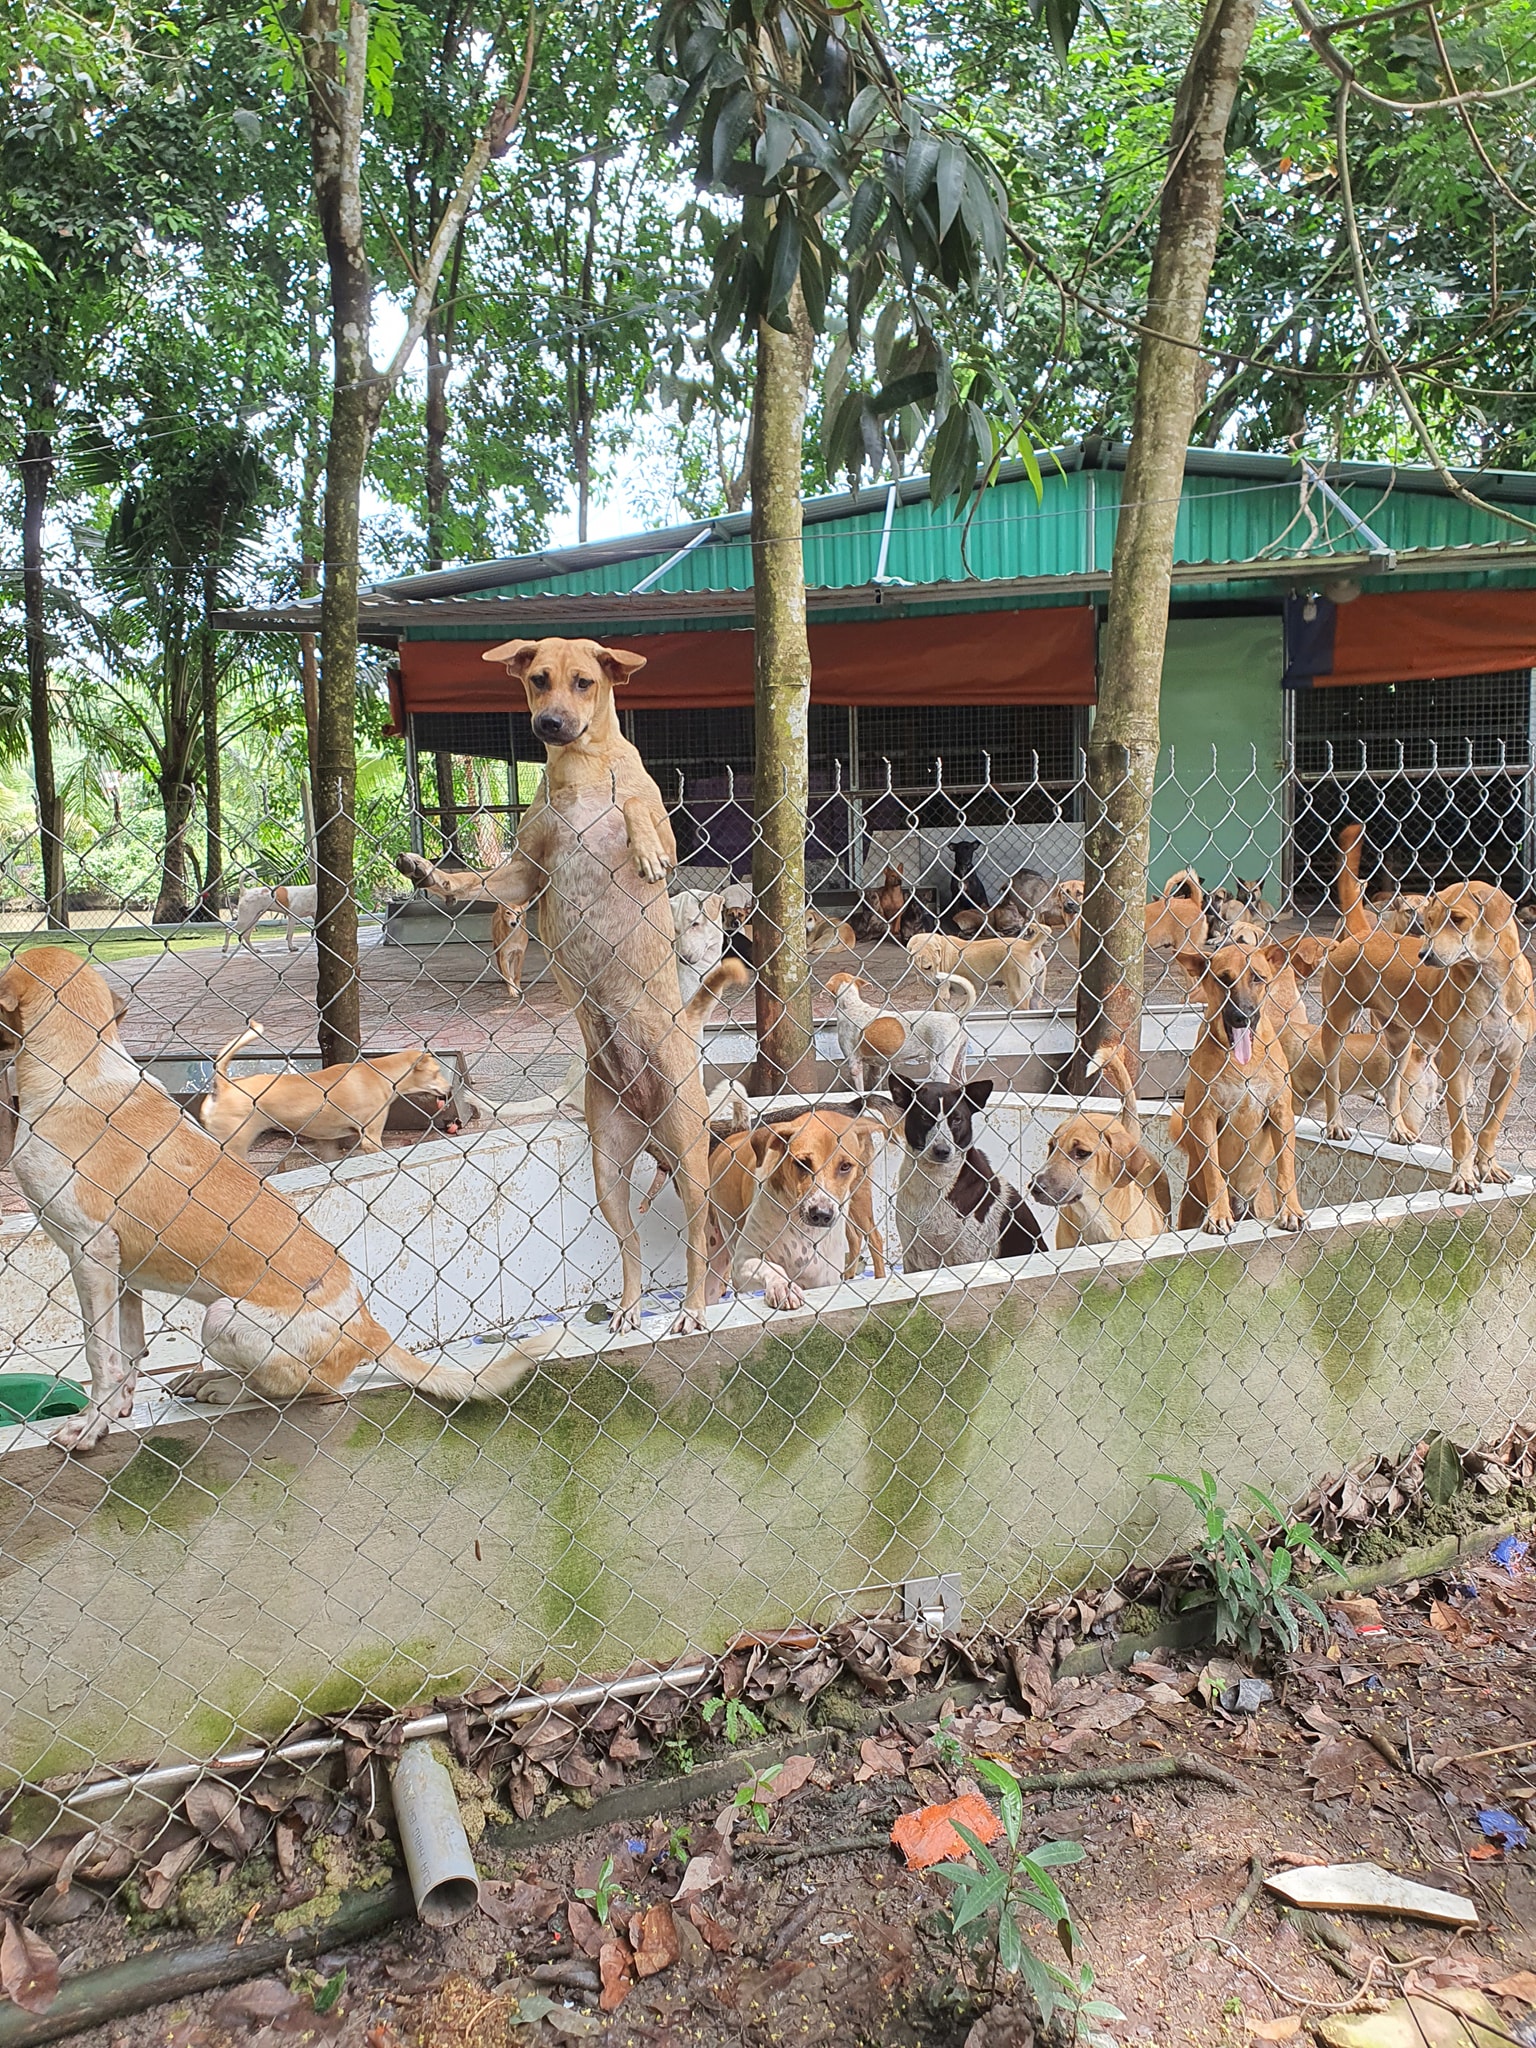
941, 1154
550, 726
819, 1213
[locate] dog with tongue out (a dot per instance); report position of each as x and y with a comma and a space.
1237, 1130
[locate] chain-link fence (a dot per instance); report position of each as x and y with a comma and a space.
535, 1351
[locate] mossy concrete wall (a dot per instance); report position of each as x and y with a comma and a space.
224, 1575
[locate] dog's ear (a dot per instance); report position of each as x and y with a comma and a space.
713, 908
514, 655
903, 1094
770, 1145
619, 664
119, 1006
1193, 962
978, 1093
1275, 957
10, 1000
1307, 955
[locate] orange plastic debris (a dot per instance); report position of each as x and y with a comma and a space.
928, 1836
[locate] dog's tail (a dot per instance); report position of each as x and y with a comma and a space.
1185, 883
222, 1059
726, 974
962, 994
1351, 891
1109, 1061
491, 1382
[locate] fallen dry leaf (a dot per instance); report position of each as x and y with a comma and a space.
879, 1760
1035, 1680
1485, 1852
928, 1836
213, 1808
1521, 1985
1284, 2028
702, 1875
29, 1969
789, 1777
715, 1932
616, 1968
161, 1879
586, 1929
653, 1937
518, 1904
257, 2004
1446, 1619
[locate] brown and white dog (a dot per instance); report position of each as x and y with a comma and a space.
509, 947
594, 849
140, 1200
296, 905
1099, 1175
877, 1040
1460, 985
1016, 966
1238, 1123
784, 1199
332, 1106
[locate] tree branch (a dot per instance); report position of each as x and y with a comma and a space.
1318, 33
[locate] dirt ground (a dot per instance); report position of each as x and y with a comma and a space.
1377, 1747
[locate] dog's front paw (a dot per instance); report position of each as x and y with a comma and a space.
689, 1323
783, 1293
625, 1317
1219, 1222
1490, 1170
1399, 1134
652, 866
85, 1432
414, 866
1291, 1219
1338, 1131
1466, 1182
214, 1389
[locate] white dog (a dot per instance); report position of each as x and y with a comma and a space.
297, 906
700, 922
931, 1045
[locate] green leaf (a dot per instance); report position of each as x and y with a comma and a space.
977, 1847
868, 203
1053, 1855
921, 165
775, 144
950, 181
1442, 1470
330, 1991
866, 106
981, 1898
783, 262
1010, 1944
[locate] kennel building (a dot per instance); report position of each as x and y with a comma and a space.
1349, 642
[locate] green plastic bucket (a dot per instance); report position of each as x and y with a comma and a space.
35, 1397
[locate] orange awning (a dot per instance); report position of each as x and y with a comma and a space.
1403, 636
1043, 656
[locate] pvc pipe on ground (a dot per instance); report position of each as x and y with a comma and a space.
442, 1870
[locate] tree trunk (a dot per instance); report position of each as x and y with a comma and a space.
36, 480
310, 545
781, 775
213, 776
1123, 748
176, 799
435, 483
177, 790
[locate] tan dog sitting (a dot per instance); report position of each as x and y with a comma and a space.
141, 1201
1238, 1123
594, 849
1100, 1176
782, 1202
333, 1106
1016, 966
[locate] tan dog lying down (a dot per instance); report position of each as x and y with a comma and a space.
330, 1106
1099, 1175
782, 1200
142, 1201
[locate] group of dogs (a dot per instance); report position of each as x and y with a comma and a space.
142, 1198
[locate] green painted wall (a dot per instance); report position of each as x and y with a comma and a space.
1221, 814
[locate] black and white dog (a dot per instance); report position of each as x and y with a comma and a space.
951, 1208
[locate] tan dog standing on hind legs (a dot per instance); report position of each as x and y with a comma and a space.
1460, 984
1238, 1120
140, 1200
594, 849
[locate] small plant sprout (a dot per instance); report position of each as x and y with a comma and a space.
990, 1909
754, 1796
680, 1844
1251, 1573
601, 1895
741, 1723
947, 1746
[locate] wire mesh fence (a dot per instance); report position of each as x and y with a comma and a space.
533, 1373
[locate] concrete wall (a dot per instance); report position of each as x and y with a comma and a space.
219, 1574
1221, 690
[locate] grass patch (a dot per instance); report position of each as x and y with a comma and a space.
106, 948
